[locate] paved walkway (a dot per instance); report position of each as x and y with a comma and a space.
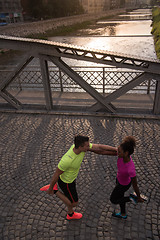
30, 148
73, 101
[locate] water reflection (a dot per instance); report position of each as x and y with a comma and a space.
135, 46
135, 16
124, 28
131, 37
138, 14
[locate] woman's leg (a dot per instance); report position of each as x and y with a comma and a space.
117, 196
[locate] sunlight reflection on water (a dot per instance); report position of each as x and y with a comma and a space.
135, 46
124, 28
123, 37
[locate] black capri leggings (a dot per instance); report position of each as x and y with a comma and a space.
117, 196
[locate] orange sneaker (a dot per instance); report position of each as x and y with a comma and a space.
45, 188
74, 216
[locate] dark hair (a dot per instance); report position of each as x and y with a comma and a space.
128, 144
80, 140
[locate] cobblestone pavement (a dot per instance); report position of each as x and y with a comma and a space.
30, 149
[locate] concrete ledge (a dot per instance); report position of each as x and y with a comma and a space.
86, 114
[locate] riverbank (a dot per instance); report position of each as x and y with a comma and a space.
97, 27
54, 27
43, 27
156, 29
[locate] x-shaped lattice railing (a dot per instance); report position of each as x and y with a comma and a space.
55, 52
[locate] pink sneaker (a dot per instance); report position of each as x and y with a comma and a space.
74, 216
55, 187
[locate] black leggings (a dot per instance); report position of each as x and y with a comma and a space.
117, 196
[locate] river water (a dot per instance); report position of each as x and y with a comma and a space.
126, 34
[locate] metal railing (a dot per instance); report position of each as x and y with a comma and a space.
103, 79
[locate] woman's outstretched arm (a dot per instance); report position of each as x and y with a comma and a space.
103, 149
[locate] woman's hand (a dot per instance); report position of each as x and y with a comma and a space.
140, 200
50, 191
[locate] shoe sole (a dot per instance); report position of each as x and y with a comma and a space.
73, 219
144, 197
118, 216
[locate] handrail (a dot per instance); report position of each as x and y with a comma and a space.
140, 70
101, 85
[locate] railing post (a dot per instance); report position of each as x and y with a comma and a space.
60, 77
103, 80
19, 81
149, 85
156, 107
46, 83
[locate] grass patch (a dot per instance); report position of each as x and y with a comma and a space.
156, 29
157, 48
61, 31
67, 30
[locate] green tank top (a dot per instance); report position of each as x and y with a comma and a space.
70, 163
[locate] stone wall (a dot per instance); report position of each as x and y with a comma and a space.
25, 29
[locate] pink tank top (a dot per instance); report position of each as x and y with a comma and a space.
125, 171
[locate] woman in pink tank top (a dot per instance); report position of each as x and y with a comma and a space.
126, 176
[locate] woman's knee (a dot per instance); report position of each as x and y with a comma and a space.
113, 200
